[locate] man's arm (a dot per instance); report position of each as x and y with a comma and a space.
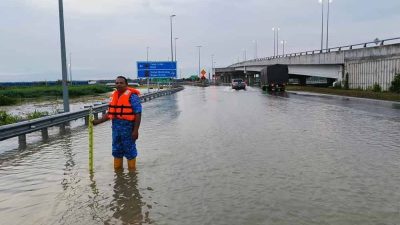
135, 132
103, 119
137, 109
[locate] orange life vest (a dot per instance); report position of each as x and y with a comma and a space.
120, 106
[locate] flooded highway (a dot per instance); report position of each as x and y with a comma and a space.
217, 156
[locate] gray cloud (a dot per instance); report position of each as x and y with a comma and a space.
107, 37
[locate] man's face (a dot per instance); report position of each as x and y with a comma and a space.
120, 84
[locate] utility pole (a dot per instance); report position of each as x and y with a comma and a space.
199, 46
175, 48
172, 51
322, 24
63, 58
327, 26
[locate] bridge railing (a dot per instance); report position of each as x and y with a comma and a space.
42, 124
333, 49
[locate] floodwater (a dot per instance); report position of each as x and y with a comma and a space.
218, 156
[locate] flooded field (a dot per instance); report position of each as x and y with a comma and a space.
217, 156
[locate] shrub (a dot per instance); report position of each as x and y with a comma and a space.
359, 88
395, 87
376, 88
6, 118
4, 100
36, 114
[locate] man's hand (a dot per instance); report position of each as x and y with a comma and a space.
135, 134
104, 118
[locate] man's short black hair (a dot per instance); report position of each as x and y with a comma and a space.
122, 77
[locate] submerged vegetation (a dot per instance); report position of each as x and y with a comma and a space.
373, 93
12, 95
7, 118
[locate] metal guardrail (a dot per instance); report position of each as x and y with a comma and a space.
334, 49
22, 128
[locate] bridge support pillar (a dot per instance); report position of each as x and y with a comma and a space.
303, 81
22, 141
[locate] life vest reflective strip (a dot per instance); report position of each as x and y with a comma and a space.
120, 106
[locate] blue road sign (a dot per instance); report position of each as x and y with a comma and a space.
160, 69
157, 73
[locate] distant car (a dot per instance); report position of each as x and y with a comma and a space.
238, 84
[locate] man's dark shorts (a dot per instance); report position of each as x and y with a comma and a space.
122, 141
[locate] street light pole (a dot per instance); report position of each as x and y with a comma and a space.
212, 66
148, 79
273, 29
199, 46
147, 54
175, 48
327, 25
277, 41
255, 49
283, 47
172, 51
63, 58
322, 24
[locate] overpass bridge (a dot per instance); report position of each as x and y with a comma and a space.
362, 65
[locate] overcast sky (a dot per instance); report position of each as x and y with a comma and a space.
107, 37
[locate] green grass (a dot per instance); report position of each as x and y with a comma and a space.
36, 114
4, 100
6, 118
389, 96
11, 95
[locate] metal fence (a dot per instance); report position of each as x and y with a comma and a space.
42, 124
328, 50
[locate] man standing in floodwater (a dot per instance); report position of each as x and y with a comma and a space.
125, 111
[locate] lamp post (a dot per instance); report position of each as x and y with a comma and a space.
175, 48
283, 47
273, 29
172, 51
322, 23
63, 57
148, 79
244, 54
327, 26
277, 41
199, 46
212, 66
255, 49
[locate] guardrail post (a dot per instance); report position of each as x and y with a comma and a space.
45, 134
22, 141
62, 128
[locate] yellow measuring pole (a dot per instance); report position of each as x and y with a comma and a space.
91, 118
